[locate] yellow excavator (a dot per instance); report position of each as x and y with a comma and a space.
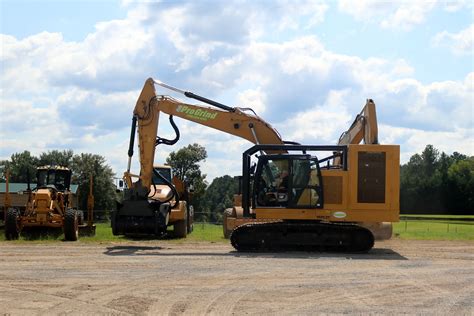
142, 212
364, 128
292, 195
342, 201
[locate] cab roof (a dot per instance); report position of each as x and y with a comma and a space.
162, 166
53, 167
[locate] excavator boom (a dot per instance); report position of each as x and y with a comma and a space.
137, 214
363, 128
234, 121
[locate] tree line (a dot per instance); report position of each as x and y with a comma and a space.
430, 182
437, 183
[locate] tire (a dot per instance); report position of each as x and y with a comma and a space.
71, 225
113, 216
181, 227
12, 224
80, 215
190, 219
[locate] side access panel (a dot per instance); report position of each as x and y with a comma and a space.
374, 182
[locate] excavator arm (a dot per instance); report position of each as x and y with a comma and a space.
137, 213
363, 128
234, 121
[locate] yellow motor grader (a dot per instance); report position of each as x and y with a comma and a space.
50, 205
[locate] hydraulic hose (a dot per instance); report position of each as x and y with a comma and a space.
170, 185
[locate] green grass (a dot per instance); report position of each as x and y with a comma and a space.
207, 232
201, 233
438, 216
412, 229
103, 233
434, 230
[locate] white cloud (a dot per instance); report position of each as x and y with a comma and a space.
293, 12
83, 93
414, 140
461, 43
455, 5
408, 14
321, 124
254, 99
397, 15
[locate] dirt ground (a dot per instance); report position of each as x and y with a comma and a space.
159, 277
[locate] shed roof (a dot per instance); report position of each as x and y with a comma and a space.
19, 187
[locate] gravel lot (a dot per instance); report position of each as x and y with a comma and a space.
166, 277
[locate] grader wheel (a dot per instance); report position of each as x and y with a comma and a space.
190, 224
71, 225
80, 216
181, 227
12, 225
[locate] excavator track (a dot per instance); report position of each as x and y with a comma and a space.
299, 235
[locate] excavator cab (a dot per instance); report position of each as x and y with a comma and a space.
289, 181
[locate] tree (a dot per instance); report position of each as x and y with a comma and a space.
437, 183
185, 161
199, 184
85, 165
458, 157
22, 164
56, 157
429, 159
185, 166
219, 196
461, 185
4, 166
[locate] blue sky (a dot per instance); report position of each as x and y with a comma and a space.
305, 66
74, 19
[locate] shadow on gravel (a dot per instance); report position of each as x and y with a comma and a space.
374, 254
131, 250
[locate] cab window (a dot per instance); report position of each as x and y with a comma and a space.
272, 183
306, 184
165, 172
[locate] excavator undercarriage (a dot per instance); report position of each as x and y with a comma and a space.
301, 235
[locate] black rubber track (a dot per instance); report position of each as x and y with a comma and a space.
302, 235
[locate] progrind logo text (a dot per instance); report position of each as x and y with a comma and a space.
197, 114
